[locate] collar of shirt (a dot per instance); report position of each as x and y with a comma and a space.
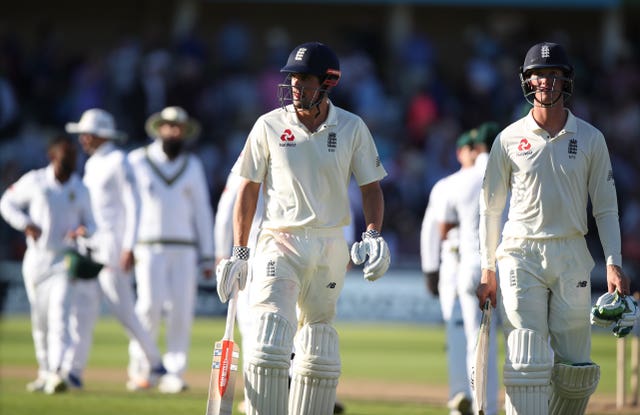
50, 176
571, 126
105, 148
332, 118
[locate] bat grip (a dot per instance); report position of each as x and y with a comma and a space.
231, 313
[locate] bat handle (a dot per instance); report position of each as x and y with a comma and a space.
487, 304
231, 313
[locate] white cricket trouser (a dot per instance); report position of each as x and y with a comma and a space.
116, 287
166, 279
297, 275
546, 287
303, 267
469, 274
454, 325
48, 301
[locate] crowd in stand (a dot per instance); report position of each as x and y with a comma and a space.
413, 105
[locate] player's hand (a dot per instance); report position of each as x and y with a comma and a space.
617, 280
33, 231
374, 252
433, 278
231, 270
127, 260
487, 288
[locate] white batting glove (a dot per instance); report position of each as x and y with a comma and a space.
607, 310
629, 317
231, 270
375, 251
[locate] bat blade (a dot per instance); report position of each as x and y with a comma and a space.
479, 369
224, 367
223, 378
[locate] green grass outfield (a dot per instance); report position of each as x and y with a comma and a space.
387, 369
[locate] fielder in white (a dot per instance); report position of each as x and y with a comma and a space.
175, 238
52, 207
302, 155
439, 260
461, 209
108, 177
551, 162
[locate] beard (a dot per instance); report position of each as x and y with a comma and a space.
172, 148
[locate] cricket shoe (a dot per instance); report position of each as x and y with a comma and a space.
55, 384
74, 381
460, 404
139, 383
171, 383
37, 385
338, 407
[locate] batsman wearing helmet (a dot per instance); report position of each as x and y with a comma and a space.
303, 156
552, 162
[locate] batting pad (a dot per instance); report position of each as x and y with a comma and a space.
527, 372
267, 374
316, 370
572, 386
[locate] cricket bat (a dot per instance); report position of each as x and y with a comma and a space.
225, 366
479, 369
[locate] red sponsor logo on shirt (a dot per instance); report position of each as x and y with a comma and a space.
524, 145
287, 135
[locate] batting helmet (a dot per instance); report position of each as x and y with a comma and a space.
312, 58
546, 55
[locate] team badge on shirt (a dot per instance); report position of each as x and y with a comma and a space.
72, 196
573, 148
332, 142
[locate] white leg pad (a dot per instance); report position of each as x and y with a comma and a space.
527, 373
267, 375
316, 370
572, 386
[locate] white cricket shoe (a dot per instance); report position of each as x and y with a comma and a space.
171, 383
37, 385
55, 384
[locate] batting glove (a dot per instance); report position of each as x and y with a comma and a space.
374, 252
607, 310
231, 270
629, 317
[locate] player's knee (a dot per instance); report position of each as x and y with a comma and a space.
273, 344
317, 352
575, 381
528, 359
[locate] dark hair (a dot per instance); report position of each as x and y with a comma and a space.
57, 140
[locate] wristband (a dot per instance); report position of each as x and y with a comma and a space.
372, 233
240, 252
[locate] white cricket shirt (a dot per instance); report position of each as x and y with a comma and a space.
108, 176
305, 175
550, 179
175, 208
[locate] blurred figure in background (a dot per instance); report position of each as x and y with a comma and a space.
52, 207
175, 238
108, 177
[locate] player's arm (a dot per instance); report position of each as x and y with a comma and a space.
372, 205
15, 201
493, 197
244, 210
223, 225
605, 211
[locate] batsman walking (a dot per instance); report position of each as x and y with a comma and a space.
552, 162
303, 156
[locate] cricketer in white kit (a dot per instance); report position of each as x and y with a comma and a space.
108, 177
51, 208
175, 238
302, 156
461, 208
552, 162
